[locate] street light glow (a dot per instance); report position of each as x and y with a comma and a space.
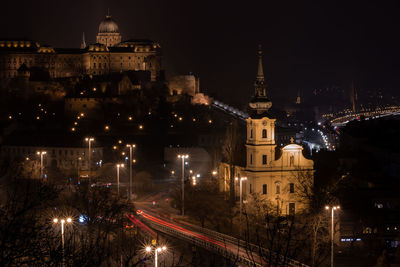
148, 249
55, 220
69, 220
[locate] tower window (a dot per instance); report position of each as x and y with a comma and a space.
292, 209
291, 161
251, 133
251, 158
251, 188
264, 133
291, 188
278, 189
264, 159
264, 189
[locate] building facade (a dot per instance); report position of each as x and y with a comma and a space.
67, 160
109, 54
276, 175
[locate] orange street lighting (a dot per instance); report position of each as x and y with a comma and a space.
89, 140
118, 166
240, 202
183, 157
41, 154
333, 208
131, 146
62, 222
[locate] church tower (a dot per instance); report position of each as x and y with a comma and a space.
260, 142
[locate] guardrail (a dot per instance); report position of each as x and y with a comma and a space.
247, 253
251, 248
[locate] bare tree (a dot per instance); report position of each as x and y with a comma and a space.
231, 152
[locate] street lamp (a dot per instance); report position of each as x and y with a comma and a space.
183, 157
89, 140
333, 208
118, 166
156, 251
41, 153
240, 202
62, 222
131, 146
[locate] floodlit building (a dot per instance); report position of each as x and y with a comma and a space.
276, 175
108, 54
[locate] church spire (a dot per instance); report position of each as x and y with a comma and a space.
260, 86
260, 103
83, 44
260, 72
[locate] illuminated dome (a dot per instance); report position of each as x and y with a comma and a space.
108, 25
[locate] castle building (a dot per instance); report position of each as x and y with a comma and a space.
109, 54
277, 176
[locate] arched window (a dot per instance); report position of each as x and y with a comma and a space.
264, 133
251, 133
278, 189
251, 158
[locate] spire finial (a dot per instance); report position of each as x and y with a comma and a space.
260, 72
83, 44
108, 13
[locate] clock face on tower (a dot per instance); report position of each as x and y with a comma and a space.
264, 123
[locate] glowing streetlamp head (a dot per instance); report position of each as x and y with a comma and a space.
164, 248
69, 220
89, 139
55, 220
62, 221
148, 249
327, 207
159, 249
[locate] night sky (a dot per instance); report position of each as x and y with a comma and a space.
306, 45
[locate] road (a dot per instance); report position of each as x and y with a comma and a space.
161, 217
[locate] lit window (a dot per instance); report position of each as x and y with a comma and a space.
264, 133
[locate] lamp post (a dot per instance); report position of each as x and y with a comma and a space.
131, 146
89, 140
118, 166
183, 157
240, 202
78, 165
62, 222
156, 251
333, 208
41, 153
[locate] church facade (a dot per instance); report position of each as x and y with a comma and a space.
108, 54
275, 175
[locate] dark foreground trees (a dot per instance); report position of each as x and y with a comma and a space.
97, 235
